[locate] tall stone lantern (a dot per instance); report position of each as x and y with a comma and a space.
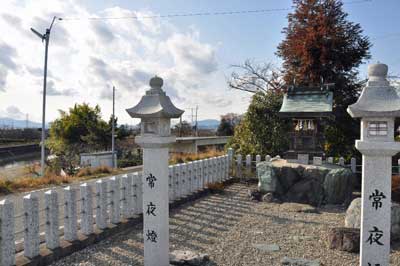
378, 106
155, 110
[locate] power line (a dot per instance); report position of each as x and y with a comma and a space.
201, 14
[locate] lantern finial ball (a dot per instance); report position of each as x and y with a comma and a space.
156, 82
377, 71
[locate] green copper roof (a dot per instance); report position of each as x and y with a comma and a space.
312, 103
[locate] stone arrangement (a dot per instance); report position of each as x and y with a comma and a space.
311, 184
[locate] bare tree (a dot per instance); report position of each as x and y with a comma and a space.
254, 77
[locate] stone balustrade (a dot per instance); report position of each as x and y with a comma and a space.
96, 205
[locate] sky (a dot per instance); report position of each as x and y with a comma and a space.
194, 54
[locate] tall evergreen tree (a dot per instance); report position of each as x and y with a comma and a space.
321, 44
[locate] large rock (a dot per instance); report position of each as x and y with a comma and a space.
188, 258
338, 185
344, 239
353, 218
316, 185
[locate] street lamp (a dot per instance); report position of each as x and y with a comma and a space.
44, 37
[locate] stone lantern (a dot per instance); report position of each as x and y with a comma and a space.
377, 107
155, 110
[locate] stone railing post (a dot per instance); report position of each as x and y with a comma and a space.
126, 205
101, 204
7, 241
341, 161
217, 170
70, 214
205, 173
214, 169
227, 171
258, 159
177, 183
231, 153
330, 160
137, 190
87, 218
239, 165
51, 215
248, 164
184, 179
190, 177
195, 179
200, 174
170, 183
31, 224
115, 200
130, 199
353, 165
267, 158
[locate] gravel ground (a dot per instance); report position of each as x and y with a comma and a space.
226, 226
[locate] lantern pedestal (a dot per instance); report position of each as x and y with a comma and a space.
376, 203
155, 202
155, 110
377, 107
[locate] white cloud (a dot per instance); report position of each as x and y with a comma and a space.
88, 57
12, 112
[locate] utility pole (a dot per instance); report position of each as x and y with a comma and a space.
45, 38
197, 131
113, 131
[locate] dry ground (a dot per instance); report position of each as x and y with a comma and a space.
226, 226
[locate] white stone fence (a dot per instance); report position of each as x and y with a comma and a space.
245, 165
107, 201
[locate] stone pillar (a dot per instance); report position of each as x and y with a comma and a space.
70, 214
267, 158
170, 183
86, 209
31, 225
190, 177
52, 224
138, 193
377, 107
258, 158
177, 183
115, 196
239, 166
126, 197
353, 165
101, 204
7, 241
184, 180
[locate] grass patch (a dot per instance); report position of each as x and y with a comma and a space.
27, 183
189, 157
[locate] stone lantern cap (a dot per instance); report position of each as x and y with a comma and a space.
155, 103
378, 98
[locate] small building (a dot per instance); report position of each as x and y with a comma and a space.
307, 108
97, 159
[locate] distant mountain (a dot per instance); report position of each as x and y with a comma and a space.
208, 124
15, 123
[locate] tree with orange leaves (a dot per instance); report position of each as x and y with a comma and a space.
321, 45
